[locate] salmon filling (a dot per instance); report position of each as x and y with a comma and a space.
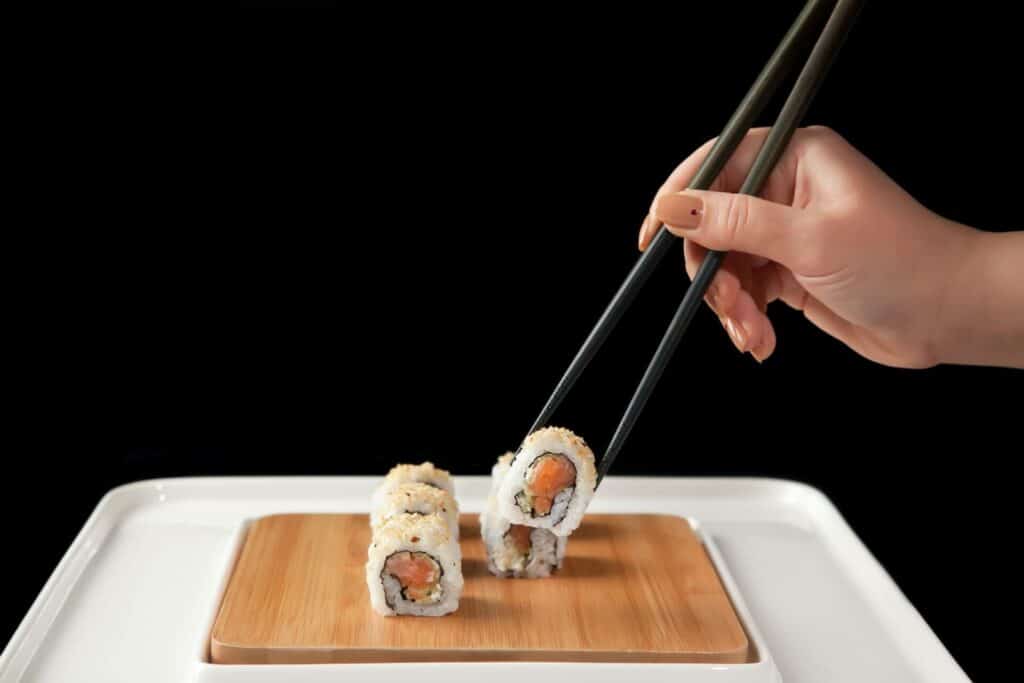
548, 475
419, 575
518, 539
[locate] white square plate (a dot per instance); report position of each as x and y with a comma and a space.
135, 595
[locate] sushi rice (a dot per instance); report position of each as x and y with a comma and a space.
424, 473
549, 482
416, 498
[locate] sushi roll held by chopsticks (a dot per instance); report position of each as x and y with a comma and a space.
550, 482
516, 550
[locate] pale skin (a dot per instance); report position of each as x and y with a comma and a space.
830, 234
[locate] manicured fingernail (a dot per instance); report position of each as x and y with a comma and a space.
680, 210
651, 225
748, 330
758, 355
735, 334
643, 232
713, 296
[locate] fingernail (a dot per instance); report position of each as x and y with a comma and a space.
736, 334
758, 355
643, 232
748, 330
713, 296
651, 225
680, 210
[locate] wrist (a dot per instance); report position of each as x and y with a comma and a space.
982, 319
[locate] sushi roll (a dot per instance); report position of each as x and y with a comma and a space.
414, 567
416, 498
549, 483
424, 473
515, 550
499, 471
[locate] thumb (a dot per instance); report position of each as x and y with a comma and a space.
734, 222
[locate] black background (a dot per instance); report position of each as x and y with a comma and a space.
288, 3
391, 250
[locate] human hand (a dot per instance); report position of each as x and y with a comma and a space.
835, 237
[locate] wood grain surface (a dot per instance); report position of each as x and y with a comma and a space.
634, 588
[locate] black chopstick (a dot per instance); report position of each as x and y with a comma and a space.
804, 90
777, 68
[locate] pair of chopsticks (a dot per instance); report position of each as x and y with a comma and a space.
781, 63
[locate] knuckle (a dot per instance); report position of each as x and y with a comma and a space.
737, 214
816, 140
820, 131
824, 135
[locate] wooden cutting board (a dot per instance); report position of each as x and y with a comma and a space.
634, 588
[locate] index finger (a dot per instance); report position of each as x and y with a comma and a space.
779, 187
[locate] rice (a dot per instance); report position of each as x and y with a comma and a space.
416, 498
522, 500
